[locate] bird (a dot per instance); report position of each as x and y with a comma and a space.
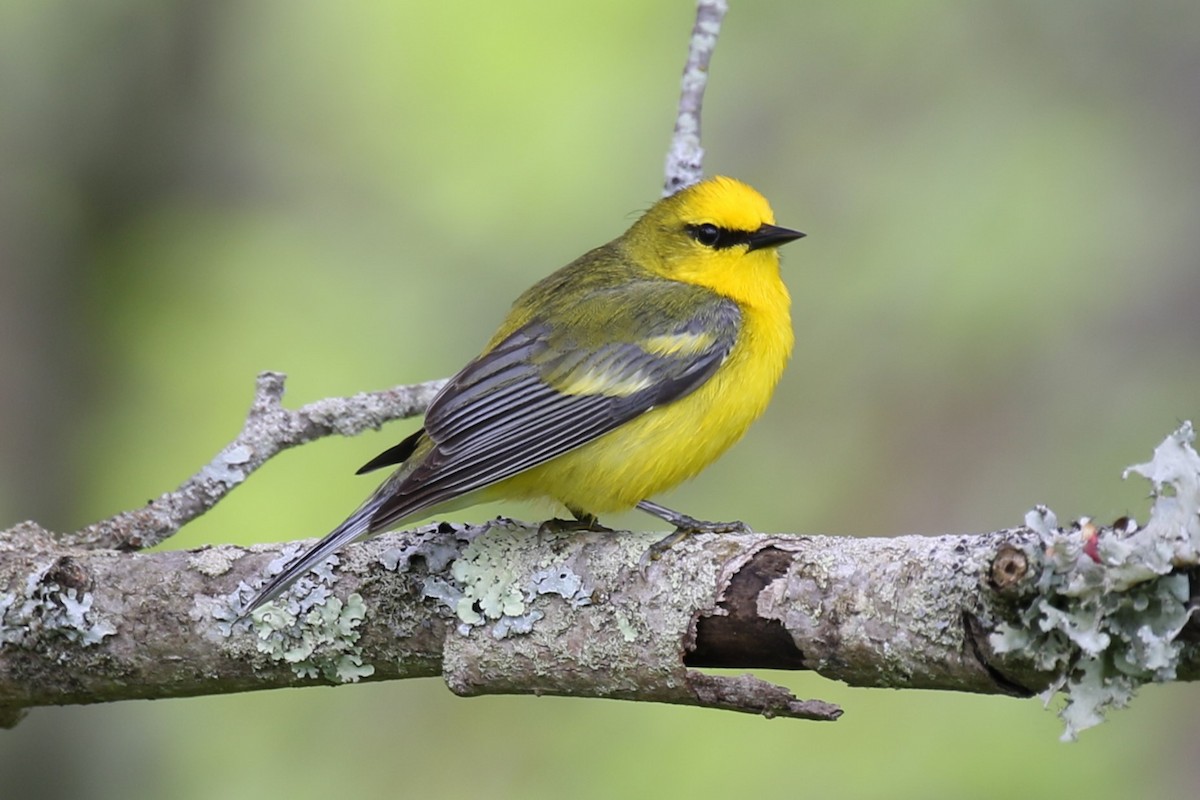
614, 379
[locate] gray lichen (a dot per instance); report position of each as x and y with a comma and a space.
506, 626
229, 467
436, 544
562, 581
307, 627
486, 587
1107, 609
45, 610
322, 640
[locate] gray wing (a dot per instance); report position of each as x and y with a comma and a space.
539, 393
542, 392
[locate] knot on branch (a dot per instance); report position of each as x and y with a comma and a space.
1109, 605
1009, 569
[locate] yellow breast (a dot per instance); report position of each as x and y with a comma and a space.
672, 443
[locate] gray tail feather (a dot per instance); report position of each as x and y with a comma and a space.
356, 525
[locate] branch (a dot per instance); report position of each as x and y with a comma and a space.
1092, 611
685, 157
269, 429
499, 609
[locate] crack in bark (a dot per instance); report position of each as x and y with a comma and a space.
973, 633
739, 637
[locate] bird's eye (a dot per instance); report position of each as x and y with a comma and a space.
706, 234
716, 237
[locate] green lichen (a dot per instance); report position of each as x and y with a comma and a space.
486, 586
321, 641
489, 583
306, 627
625, 626
1107, 610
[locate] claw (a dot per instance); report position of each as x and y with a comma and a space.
685, 526
655, 551
582, 523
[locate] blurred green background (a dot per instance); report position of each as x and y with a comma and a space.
996, 306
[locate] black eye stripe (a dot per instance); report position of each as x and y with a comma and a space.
717, 237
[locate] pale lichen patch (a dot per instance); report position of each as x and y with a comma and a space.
210, 561
486, 584
321, 641
45, 611
1107, 610
307, 627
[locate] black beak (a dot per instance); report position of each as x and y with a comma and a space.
772, 236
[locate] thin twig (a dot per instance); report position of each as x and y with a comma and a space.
269, 429
685, 157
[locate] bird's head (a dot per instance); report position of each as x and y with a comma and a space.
719, 233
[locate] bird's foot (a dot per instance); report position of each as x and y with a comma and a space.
583, 523
685, 526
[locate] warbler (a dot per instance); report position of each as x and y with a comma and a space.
617, 377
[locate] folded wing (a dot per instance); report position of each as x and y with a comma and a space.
547, 389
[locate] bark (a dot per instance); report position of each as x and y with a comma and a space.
496, 611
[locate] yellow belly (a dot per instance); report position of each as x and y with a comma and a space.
672, 443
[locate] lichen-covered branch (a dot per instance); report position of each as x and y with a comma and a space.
685, 156
269, 429
1090, 611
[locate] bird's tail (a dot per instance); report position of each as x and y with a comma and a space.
356, 526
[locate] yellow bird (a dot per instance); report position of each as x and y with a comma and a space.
617, 377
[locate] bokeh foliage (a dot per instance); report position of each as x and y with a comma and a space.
996, 306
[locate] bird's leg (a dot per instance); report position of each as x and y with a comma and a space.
583, 522
685, 526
